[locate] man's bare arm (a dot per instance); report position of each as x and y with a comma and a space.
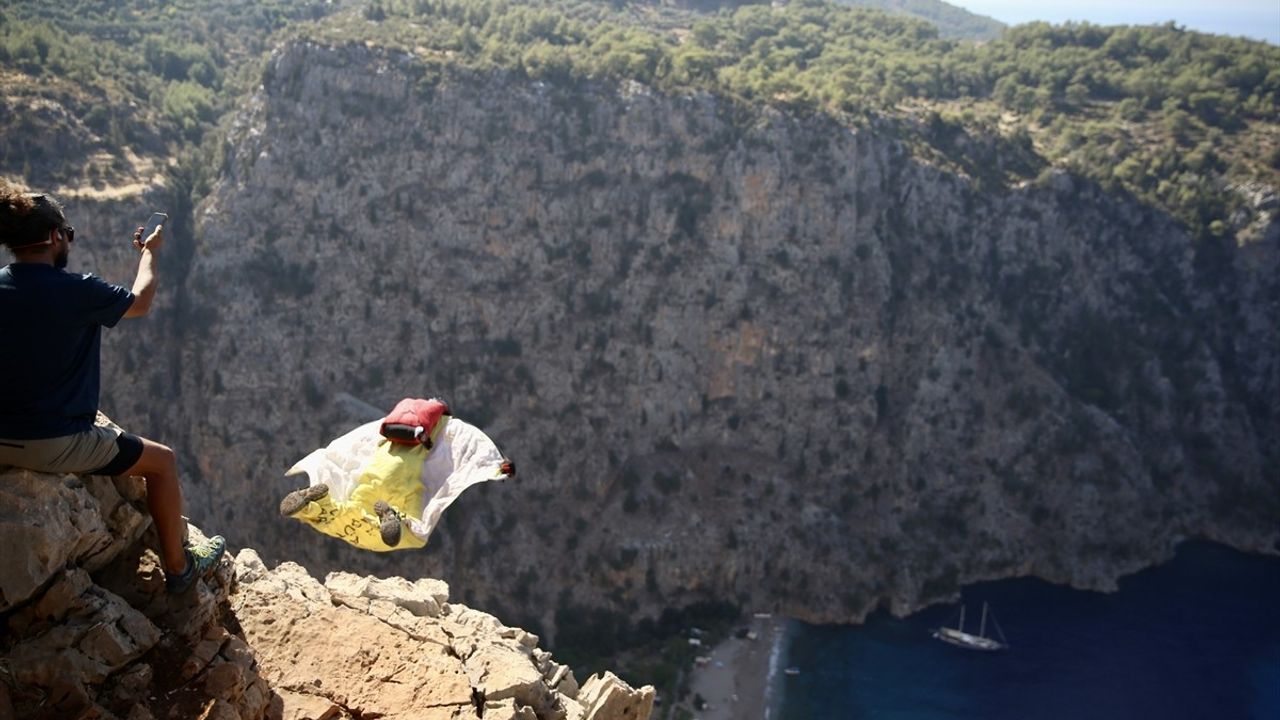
144, 285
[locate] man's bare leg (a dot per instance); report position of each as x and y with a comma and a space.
159, 467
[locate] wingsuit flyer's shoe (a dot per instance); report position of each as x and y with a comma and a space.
388, 523
201, 559
298, 499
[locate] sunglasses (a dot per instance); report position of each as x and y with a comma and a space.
69, 233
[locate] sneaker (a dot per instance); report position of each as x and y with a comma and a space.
298, 499
201, 559
388, 523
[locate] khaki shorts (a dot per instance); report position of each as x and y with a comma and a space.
100, 451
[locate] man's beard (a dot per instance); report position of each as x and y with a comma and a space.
60, 259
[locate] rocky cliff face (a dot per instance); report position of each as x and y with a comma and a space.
738, 355
89, 632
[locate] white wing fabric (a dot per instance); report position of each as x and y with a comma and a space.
362, 467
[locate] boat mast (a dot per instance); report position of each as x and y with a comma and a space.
982, 630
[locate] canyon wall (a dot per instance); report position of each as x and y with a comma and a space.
738, 355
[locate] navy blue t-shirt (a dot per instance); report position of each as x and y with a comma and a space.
50, 336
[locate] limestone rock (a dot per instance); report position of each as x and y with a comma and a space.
499, 672
508, 709
55, 520
249, 566
367, 652
81, 643
99, 637
76, 642
607, 697
423, 598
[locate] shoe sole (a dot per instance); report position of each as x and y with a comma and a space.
298, 499
388, 523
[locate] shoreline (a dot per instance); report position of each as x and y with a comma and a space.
736, 678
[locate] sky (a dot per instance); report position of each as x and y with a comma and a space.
1258, 19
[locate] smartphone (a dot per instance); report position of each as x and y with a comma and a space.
157, 219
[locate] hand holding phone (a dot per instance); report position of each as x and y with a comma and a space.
144, 237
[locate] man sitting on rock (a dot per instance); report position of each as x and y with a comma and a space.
51, 324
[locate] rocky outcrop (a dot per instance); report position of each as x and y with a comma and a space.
89, 632
392, 648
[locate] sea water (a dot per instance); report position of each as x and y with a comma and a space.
1198, 637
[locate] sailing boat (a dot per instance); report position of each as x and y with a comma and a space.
957, 636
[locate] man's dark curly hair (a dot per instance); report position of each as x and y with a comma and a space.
26, 218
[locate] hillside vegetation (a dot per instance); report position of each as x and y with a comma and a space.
952, 21
1178, 118
99, 94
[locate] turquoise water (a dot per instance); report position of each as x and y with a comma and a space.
1196, 638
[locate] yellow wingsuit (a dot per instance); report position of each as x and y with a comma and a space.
361, 468
392, 475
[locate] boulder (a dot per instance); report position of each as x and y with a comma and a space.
337, 659
56, 522
508, 709
423, 598
499, 672
607, 697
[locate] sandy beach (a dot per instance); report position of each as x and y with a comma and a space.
735, 677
